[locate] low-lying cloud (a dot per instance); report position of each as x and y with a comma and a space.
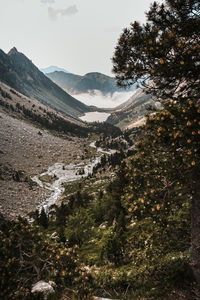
55, 13
96, 98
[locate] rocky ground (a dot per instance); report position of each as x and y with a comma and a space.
25, 151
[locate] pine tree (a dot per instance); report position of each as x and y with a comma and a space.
164, 52
163, 55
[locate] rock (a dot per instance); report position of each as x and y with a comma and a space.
103, 225
43, 288
52, 283
54, 236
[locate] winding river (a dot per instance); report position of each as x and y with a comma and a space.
66, 173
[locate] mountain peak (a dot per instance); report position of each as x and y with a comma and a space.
52, 69
13, 51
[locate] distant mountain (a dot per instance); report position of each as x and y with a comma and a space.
20, 73
52, 69
76, 84
132, 112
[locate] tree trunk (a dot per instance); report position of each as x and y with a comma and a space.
195, 241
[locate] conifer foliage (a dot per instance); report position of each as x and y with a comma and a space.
164, 56
164, 51
28, 255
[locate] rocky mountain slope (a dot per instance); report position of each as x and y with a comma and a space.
27, 148
20, 73
25, 151
131, 113
31, 110
76, 84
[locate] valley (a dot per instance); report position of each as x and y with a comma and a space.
29, 150
30, 144
71, 179
97, 200
59, 174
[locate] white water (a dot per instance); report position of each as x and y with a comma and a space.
66, 173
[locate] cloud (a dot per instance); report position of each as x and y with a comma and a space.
96, 98
47, 1
54, 13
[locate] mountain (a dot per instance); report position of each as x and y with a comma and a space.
76, 84
34, 112
40, 115
132, 112
20, 73
52, 69
33, 137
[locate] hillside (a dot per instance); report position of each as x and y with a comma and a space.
131, 113
34, 137
27, 146
20, 73
76, 84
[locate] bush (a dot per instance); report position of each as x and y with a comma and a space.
27, 256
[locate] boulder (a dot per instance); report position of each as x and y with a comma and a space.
44, 288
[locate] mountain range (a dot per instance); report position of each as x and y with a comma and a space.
17, 71
89, 83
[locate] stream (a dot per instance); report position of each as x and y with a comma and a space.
66, 173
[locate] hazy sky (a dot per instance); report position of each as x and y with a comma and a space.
78, 35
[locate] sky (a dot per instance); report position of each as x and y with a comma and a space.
78, 35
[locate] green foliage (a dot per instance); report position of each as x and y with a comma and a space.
134, 232
79, 227
27, 256
156, 280
147, 207
164, 176
165, 171
113, 249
